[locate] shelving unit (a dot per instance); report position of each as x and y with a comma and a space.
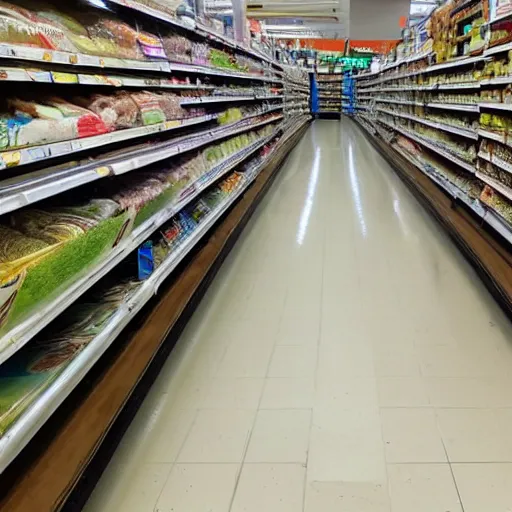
328, 94
150, 153
297, 92
448, 117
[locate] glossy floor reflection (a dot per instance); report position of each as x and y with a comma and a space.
346, 358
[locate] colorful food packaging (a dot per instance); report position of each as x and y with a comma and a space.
149, 107
118, 111
151, 46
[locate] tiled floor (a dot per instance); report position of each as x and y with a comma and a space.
345, 359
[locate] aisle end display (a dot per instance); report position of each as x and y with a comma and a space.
328, 94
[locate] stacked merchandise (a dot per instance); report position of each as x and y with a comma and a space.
328, 93
348, 93
109, 180
297, 91
27, 374
78, 35
453, 106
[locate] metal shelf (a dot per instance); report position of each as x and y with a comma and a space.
495, 184
469, 134
43, 407
433, 147
497, 106
19, 335
78, 60
496, 160
454, 106
17, 157
223, 99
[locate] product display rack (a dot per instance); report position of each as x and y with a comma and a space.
88, 185
348, 94
297, 92
449, 118
328, 100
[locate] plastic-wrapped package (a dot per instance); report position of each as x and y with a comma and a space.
53, 121
21, 26
14, 245
118, 111
19, 32
88, 123
33, 123
178, 48
221, 59
55, 225
170, 105
50, 228
200, 53
151, 46
75, 31
139, 191
149, 106
114, 38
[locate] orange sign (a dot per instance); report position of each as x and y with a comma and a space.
338, 45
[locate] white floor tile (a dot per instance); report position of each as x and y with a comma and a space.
245, 360
233, 393
346, 497
477, 435
411, 435
402, 392
293, 361
218, 436
270, 488
280, 436
135, 491
294, 393
397, 364
484, 487
422, 488
346, 445
341, 392
469, 391
198, 487
169, 432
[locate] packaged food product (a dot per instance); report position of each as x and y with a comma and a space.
22, 26
171, 106
117, 111
113, 38
151, 46
178, 48
149, 107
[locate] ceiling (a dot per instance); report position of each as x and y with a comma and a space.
330, 19
321, 18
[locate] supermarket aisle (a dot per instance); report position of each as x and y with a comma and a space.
345, 358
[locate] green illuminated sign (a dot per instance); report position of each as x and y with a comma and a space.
345, 62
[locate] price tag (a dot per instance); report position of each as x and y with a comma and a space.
64, 78
88, 60
37, 153
11, 158
47, 56
61, 148
103, 171
73, 59
40, 76
168, 125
